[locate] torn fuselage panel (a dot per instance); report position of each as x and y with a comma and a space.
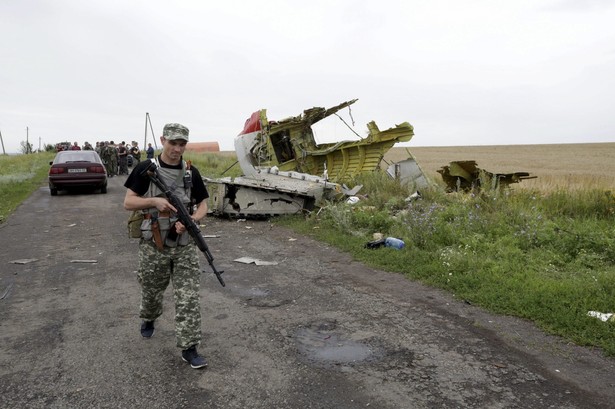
467, 176
289, 144
269, 193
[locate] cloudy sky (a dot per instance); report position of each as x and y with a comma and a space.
472, 72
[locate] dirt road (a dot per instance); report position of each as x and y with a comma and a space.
315, 330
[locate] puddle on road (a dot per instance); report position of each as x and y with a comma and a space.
258, 292
320, 345
253, 292
261, 297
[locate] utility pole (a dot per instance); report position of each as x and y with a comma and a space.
27, 140
149, 120
2, 140
145, 138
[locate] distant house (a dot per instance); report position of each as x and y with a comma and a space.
203, 147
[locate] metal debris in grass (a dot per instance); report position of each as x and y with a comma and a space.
602, 316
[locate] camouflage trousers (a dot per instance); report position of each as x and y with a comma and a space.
113, 166
179, 265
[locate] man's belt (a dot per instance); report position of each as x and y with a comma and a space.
159, 214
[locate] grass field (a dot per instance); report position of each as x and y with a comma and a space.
568, 166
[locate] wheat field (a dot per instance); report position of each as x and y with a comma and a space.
557, 166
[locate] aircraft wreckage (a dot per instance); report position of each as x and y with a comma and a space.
466, 176
285, 171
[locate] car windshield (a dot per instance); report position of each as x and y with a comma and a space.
76, 156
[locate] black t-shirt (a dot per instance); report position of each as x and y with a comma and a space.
139, 182
134, 151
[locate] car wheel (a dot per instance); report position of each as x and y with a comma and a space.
103, 189
53, 191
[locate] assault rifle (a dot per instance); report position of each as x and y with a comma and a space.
184, 217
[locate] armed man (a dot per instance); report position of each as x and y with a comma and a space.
166, 251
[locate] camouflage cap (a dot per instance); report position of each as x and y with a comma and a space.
174, 131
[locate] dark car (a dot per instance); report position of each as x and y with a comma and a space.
77, 169
129, 160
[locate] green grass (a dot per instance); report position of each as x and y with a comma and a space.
545, 256
20, 175
214, 165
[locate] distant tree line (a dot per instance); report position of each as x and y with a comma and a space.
26, 147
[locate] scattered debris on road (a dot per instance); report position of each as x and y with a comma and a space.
23, 261
250, 260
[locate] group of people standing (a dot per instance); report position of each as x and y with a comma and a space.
65, 146
115, 157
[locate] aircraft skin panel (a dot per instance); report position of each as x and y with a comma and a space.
285, 171
289, 145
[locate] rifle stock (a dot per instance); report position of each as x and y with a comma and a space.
184, 217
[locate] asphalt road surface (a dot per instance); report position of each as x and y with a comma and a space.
312, 330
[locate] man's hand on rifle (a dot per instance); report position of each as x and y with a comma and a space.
163, 205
